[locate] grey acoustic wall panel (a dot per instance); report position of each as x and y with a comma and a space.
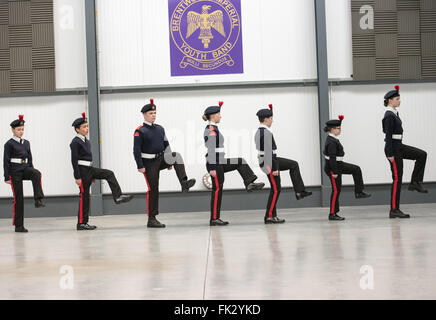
19, 13
429, 5
364, 42
4, 36
364, 67
385, 5
410, 67
27, 58
387, 68
4, 81
357, 4
428, 21
385, 22
428, 41
408, 5
428, 38
21, 81
409, 44
404, 43
21, 58
408, 22
4, 12
5, 61
428, 67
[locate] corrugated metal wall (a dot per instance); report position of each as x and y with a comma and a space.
70, 44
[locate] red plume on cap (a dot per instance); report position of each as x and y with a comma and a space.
152, 101
270, 106
220, 103
21, 117
83, 115
397, 87
341, 117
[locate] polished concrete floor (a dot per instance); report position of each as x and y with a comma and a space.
306, 258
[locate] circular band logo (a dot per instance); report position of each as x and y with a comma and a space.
205, 32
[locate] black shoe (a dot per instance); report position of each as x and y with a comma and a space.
362, 195
274, 220
21, 229
85, 226
398, 214
255, 186
188, 184
417, 186
335, 217
39, 203
123, 198
218, 222
303, 194
154, 223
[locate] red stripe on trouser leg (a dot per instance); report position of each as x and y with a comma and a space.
275, 193
40, 181
215, 203
81, 203
335, 194
15, 201
394, 193
148, 195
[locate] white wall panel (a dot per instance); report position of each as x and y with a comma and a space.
296, 132
362, 134
48, 128
339, 39
70, 43
133, 36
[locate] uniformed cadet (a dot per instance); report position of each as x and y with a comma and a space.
217, 164
396, 151
335, 167
271, 165
85, 174
18, 166
152, 154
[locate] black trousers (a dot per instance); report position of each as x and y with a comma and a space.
343, 168
275, 182
231, 164
89, 174
152, 173
274, 194
408, 153
17, 189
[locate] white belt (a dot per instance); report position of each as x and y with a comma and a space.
397, 136
337, 158
84, 163
18, 161
219, 150
149, 156
262, 153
